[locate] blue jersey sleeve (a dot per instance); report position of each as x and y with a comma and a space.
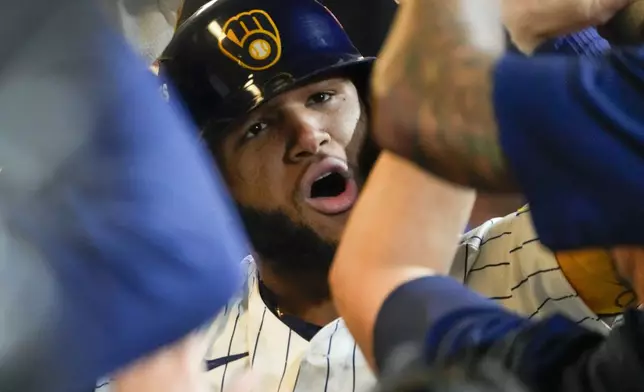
587, 42
110, 193
573, 132
549, 355
420, 306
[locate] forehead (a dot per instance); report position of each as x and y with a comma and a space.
338, 84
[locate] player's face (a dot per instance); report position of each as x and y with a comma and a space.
297, 154
292, 162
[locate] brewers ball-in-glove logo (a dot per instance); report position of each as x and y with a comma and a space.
252, 40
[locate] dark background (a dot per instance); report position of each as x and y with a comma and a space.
365, 21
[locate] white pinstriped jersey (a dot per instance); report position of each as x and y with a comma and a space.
504, 260
501, 259
282, 359
279, 357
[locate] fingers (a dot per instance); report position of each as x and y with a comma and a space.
626, 27
532, 22
177, 368
245, 383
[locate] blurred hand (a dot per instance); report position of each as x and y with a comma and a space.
532, 22
177, 368
627, 26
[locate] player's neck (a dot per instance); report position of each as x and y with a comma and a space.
319, 314
292, 299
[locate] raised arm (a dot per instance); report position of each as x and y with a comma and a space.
435, 83
569, 128
393, 237
432, 87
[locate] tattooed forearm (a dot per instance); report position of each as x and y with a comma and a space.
432, 91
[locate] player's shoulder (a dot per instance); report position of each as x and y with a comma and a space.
498, 237
518, 223
504, 260
502, 240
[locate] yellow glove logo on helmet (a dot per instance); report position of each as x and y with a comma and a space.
251, 39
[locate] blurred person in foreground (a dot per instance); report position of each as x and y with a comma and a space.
407, 371
410, 301
445, 111
116, 235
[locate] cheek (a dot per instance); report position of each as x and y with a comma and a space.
254, 179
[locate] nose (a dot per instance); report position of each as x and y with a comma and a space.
308, 137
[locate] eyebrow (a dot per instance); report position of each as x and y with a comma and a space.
270, 104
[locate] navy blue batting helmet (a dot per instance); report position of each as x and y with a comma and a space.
230, 56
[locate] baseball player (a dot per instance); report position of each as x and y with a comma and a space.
279, 91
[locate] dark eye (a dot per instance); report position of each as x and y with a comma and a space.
320, 97
255, 130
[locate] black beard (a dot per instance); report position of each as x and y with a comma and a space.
294, 252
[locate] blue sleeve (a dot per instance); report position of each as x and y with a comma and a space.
573, 132
110, 192
548, 355
587, 42
553, 354
419, 306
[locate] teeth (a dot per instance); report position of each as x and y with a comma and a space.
323, 176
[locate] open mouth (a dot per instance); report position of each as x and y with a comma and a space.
329, 187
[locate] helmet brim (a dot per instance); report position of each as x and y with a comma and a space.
294, 78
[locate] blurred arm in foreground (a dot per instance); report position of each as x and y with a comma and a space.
403, 297
110, 211
405, 243
446, 97
443, 114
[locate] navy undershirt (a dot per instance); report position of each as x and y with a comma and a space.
300, 327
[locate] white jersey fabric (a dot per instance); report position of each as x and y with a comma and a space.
501, 259
278, 356
504, 261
